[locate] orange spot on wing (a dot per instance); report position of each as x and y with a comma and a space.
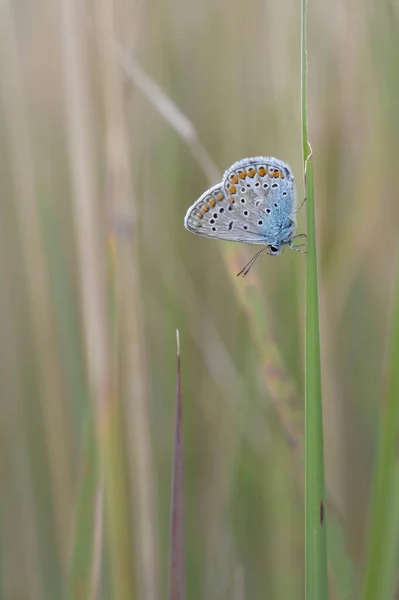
242, 175
262, 171
234, 179
199, 215
212, 202
219, 197
205, 209
231, 200
281, 175
251, 172
232, 189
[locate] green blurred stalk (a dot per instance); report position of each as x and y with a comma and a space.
176, 532
47, 441
383, 543
91, 242
127, 320
83, 573
316, 583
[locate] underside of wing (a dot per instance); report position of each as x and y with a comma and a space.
254, 204
263, 190
215, 215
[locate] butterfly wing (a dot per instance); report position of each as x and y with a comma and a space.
253, 204
212, 215
262, 191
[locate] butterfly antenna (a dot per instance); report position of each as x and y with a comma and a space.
248, 266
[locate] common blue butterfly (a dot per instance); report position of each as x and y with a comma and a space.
255, 203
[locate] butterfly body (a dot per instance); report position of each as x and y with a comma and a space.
254, 203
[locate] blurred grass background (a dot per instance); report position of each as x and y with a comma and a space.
97, 272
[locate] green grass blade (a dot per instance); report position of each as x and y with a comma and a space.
382, 547
316, 583
82, 580
177, 551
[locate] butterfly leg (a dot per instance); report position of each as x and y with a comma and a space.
296, 248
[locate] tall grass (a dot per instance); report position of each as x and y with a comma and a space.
92, 255
316, 585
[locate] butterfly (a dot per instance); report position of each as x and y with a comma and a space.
255, 203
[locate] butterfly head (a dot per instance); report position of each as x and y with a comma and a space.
275, 250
